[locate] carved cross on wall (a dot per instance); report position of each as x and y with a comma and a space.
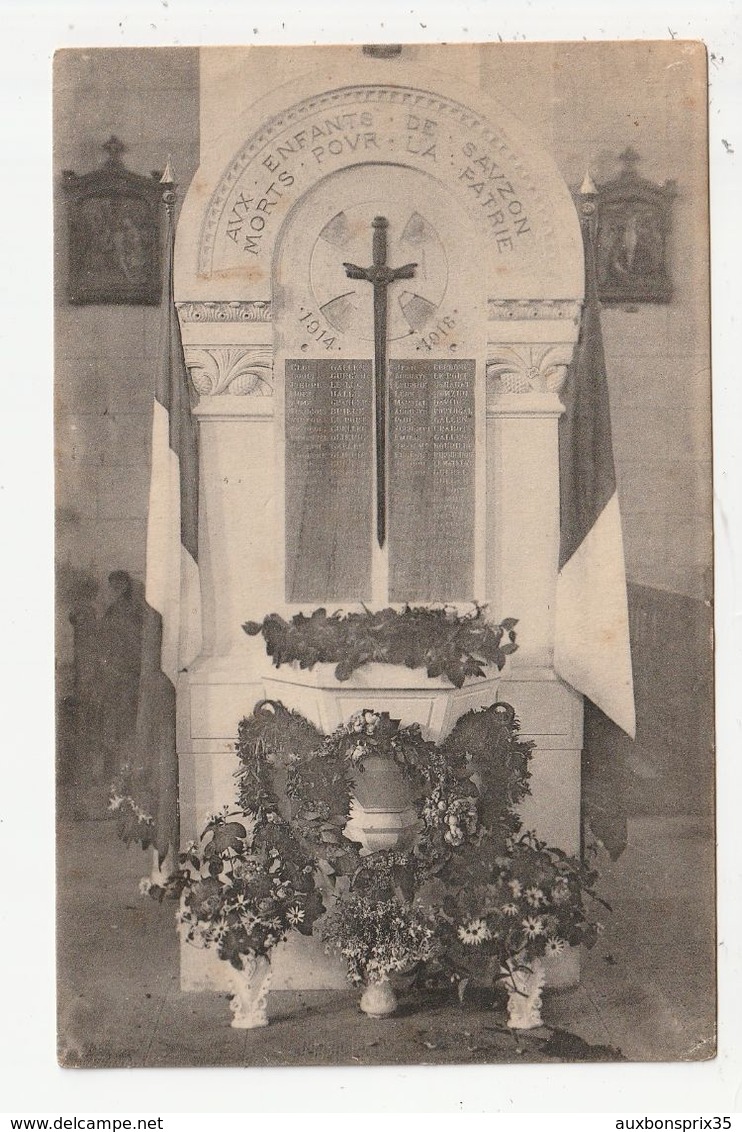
629, 160
380, 275
114, 147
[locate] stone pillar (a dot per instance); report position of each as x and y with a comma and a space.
526, 365
228, 352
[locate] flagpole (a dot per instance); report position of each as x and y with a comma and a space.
163, 869
588, 210
169, 199
592, 650
171, 637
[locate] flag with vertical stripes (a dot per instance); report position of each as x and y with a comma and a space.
172, 625
592, 649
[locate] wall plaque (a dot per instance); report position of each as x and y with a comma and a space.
114, 219
431, 480
329, 462
633, 232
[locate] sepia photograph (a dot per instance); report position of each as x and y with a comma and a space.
384, 660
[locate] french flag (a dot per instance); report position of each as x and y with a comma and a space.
172, 625
592, 649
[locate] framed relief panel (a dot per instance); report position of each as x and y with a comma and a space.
113, 224
634, 217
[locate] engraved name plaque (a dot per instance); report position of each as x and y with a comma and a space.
431, 474
328, 466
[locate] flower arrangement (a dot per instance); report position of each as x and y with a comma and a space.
501, 898
372, 921
243, 886
379, 936
501, 905
133, 822
441, 640
473, 896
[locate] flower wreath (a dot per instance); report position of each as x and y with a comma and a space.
474, 897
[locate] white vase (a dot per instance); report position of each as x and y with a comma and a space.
249, 989
382, 813
378, 999
381, 829
524, 984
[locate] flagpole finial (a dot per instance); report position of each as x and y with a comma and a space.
169, 185
588, 187
168, 177
588, 198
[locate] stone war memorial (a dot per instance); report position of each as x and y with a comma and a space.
379, 285
413, 724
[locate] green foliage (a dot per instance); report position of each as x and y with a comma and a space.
503, 901
269, 741
495, 757
441, 640
244, 886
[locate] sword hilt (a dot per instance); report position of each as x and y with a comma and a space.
378, 248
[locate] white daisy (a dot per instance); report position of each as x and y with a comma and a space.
555, 946
534, 896
475, 932
510, 909
533, 926
560, 892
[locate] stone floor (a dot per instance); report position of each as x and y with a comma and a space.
647, 989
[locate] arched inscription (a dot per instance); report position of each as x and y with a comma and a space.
372, 124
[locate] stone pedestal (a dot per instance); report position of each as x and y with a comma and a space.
407, 694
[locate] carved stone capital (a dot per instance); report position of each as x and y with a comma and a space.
244, 371
523, 368
243, 310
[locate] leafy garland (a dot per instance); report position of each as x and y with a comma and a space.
443, 641
495, 894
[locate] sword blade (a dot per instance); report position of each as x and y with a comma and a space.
380, 309
380, 276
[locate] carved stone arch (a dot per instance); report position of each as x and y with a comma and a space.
271, 153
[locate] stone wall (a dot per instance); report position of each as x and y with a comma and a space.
657, 356
106, 355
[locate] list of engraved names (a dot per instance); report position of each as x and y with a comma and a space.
431, 495
328, 468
